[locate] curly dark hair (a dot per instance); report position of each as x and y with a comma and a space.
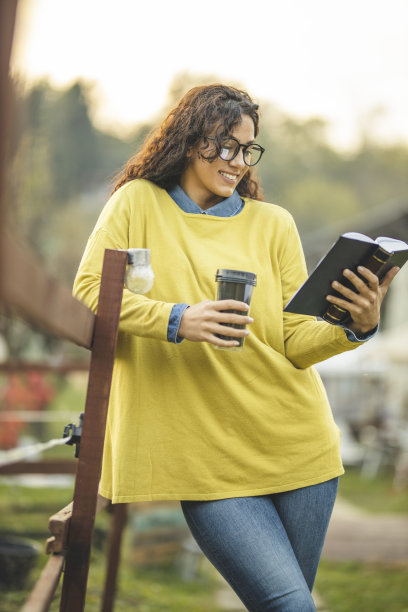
164, 155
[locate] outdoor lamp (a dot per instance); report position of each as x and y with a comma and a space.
139, 276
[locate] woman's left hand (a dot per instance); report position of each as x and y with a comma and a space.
365, 303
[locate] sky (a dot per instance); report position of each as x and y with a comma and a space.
346, 61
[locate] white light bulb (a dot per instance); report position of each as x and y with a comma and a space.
139, 275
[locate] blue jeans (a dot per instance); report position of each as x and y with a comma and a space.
267, 547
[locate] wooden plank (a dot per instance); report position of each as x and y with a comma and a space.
42, 595
40, 298
118, 523
90, 456
59, 524
49, 466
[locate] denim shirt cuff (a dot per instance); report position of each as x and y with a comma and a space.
353, 338
174, 323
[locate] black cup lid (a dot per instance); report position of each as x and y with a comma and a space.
235, 276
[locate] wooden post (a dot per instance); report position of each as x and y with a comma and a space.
118, 522
7, 21
90, 455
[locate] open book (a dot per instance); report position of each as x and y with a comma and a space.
349, 251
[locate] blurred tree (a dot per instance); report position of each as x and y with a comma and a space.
183, 81
58, 156
74, 155
378, 173
302, 172
316, 201
30, 180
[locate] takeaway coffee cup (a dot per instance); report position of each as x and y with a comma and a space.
234, 285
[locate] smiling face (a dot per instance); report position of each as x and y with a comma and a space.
208, 183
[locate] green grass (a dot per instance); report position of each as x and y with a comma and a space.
159, 589
373, 495
371, 587
363, 587
25, 511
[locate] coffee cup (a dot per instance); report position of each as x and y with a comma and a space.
234, 285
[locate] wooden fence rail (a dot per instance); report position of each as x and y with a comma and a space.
42, 595
39, 297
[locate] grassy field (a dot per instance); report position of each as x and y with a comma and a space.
373, 495
24, 511
363, 587
371, 587
345, 587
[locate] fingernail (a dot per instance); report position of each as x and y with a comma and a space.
250, 319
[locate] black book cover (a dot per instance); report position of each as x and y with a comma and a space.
347, 252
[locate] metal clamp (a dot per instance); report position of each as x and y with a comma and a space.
73, 433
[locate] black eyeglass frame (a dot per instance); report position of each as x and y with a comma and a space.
237, 149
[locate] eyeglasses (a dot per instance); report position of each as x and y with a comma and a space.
228, 148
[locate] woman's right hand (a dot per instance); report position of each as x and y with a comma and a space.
200, 322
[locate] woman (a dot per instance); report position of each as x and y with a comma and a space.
245, 440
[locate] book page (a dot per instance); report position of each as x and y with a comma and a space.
391, 244
358, 236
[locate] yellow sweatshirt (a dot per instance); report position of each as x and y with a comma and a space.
187, 421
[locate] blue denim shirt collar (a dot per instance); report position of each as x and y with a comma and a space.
227, 208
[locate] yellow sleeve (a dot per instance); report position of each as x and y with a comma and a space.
307, 340
140, 315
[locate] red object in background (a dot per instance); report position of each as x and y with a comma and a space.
28, 391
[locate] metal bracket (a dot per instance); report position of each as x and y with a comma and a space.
74, 433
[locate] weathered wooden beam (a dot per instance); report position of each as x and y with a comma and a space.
59, 523
42, 595
93, 432
49, 466
39, 297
